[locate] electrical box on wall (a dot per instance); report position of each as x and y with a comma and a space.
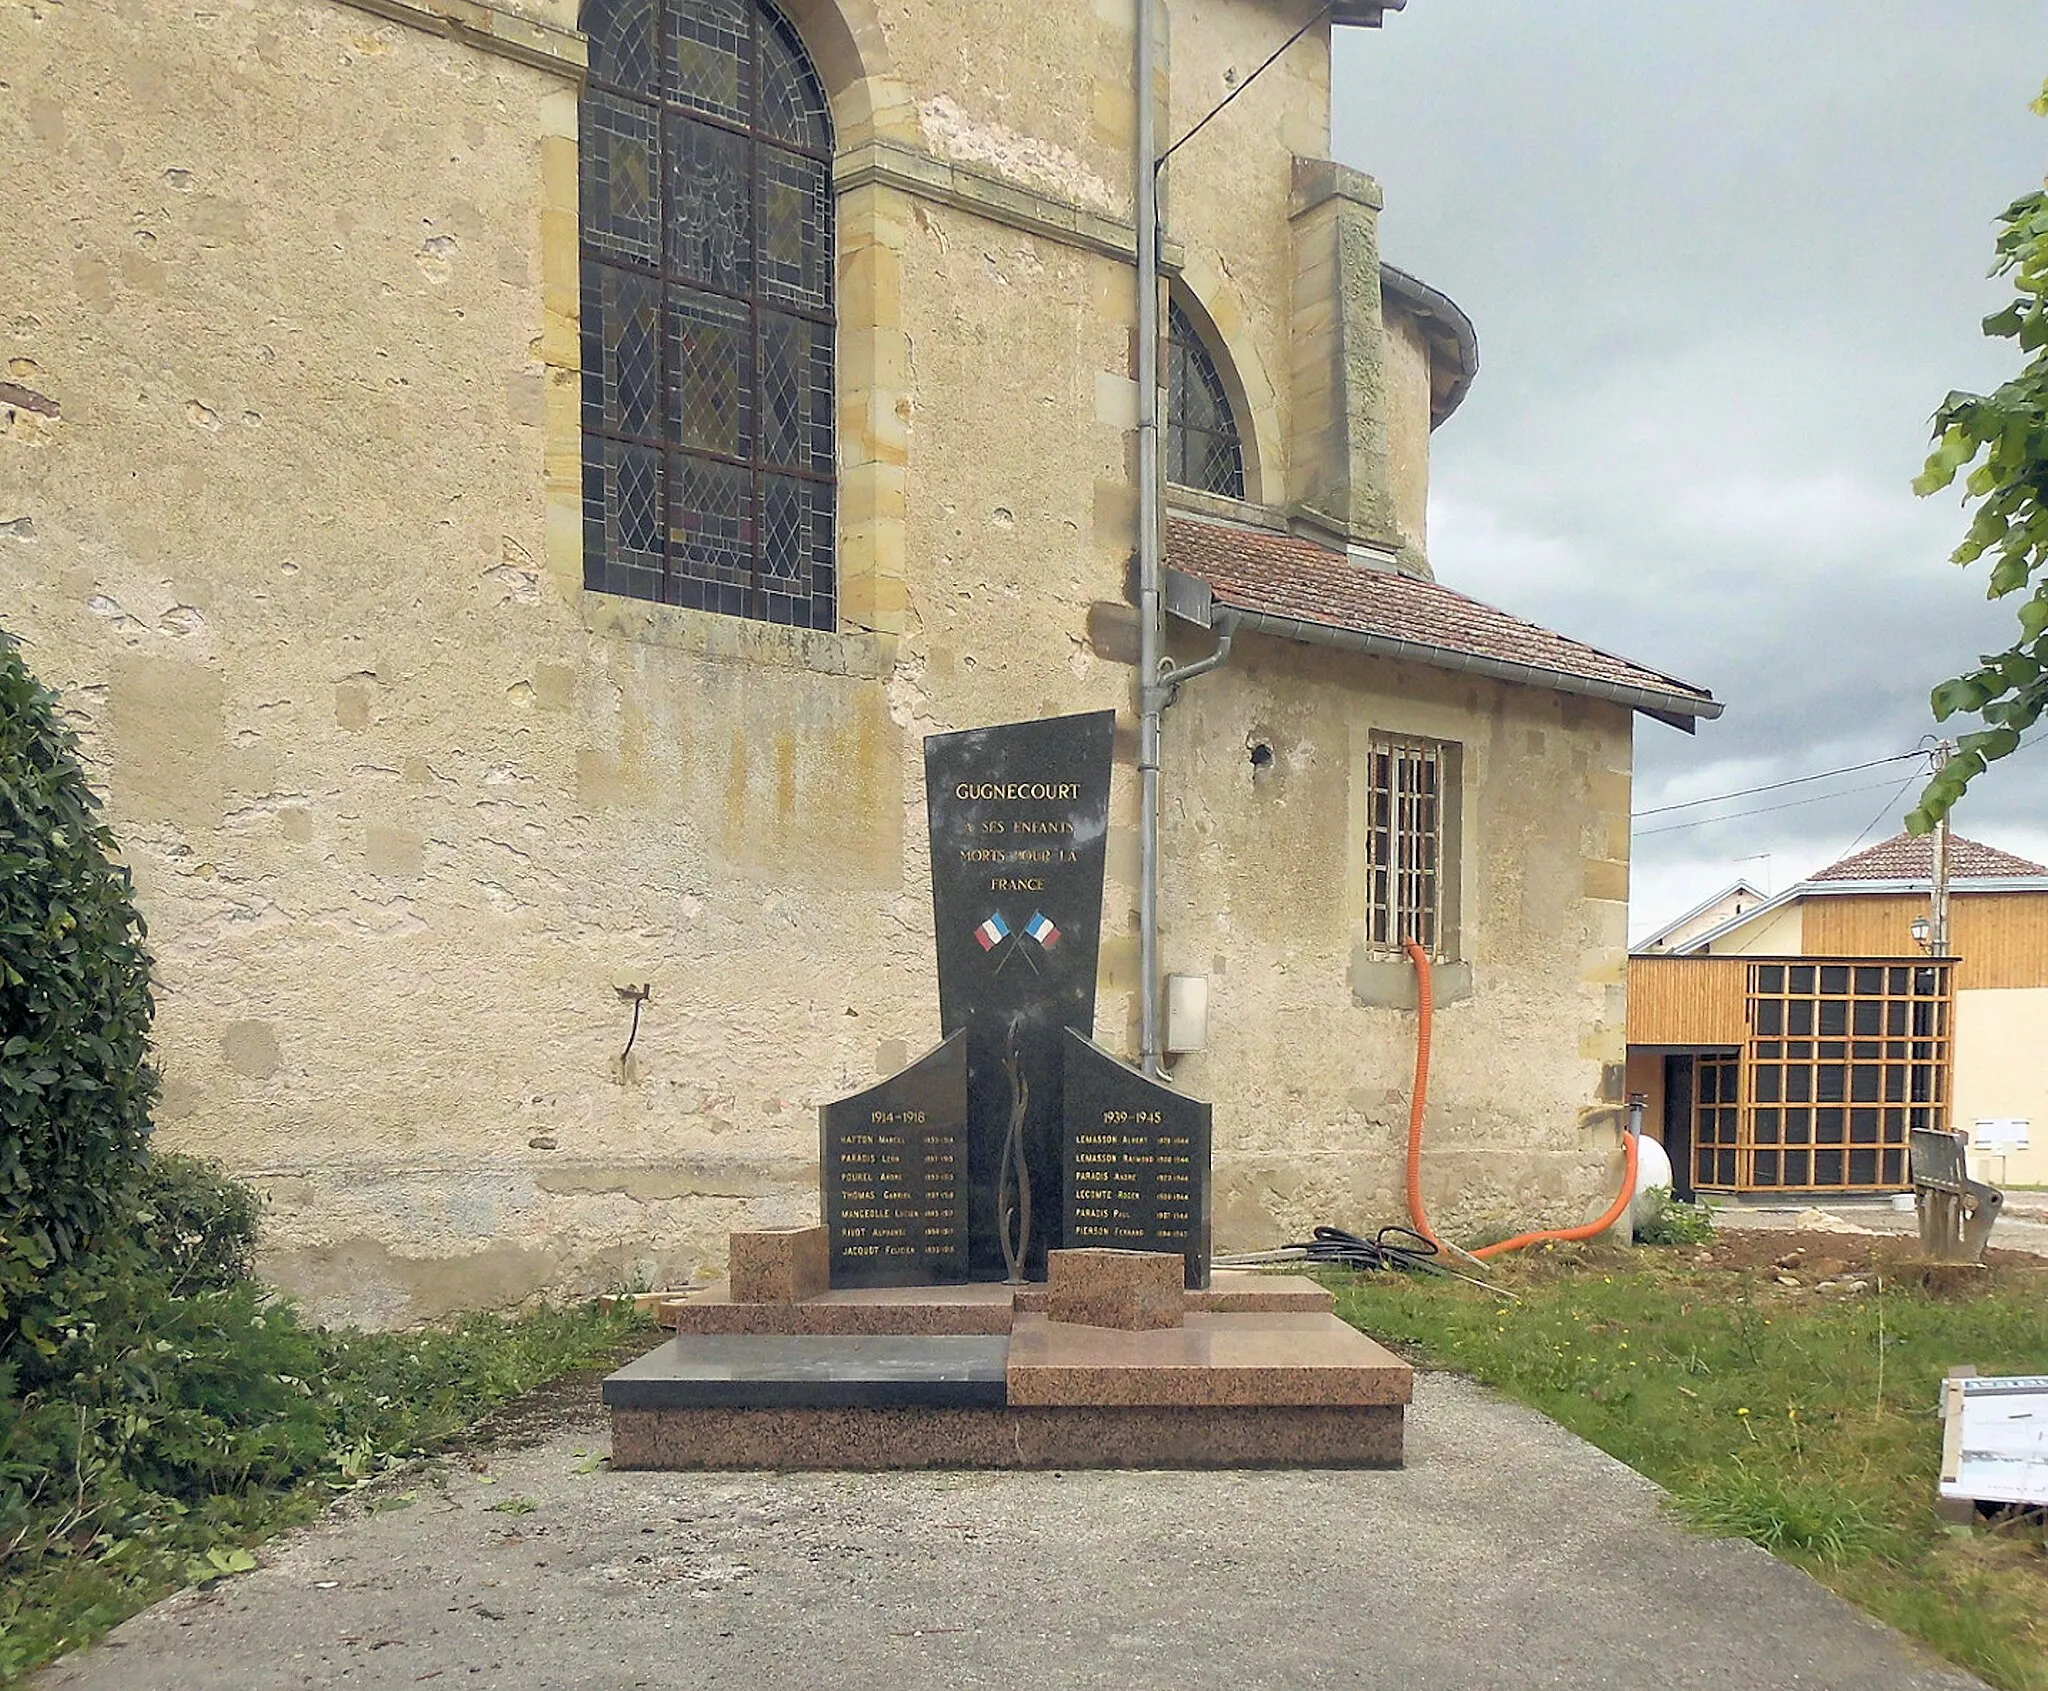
1187, 1013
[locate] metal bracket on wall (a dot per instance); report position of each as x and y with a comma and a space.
635, 996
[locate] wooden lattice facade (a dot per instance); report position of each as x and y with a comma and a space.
1806, 1074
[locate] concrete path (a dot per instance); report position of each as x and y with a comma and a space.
1507, 1555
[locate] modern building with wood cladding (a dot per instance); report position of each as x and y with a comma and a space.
1795, 1045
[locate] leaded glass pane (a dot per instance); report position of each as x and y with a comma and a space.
711, 519
709, 62
792, 103
711, 352
621, 358
622, 51
622, 493
1203, 450
796, 211
709, 217
796, 545
707, 299
788, 550
621, 211
791, 397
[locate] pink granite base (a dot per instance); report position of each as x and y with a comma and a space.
1132, 1290
938, 1310
1283, 1383
1258, 1361
927, 1311
1360, 1436
785, 1265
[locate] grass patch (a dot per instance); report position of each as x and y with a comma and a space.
1804, 1420
171, 1431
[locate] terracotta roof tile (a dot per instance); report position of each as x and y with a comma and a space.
1905, 858
1284, 575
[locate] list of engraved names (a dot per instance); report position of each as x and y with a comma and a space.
1134, 1183
896, 1191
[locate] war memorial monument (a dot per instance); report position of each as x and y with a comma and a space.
1012, 1268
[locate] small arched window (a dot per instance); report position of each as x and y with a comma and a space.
708, 474
1202, 447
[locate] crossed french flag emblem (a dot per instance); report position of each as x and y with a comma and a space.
995, 930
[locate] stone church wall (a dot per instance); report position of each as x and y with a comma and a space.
290, 520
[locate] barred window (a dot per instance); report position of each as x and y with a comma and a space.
708, 476
1411, 837
1202, 446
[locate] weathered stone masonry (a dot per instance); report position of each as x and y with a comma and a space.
290, 512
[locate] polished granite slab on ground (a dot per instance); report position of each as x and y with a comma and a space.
1241, 1360
727, 1371
1025, 1437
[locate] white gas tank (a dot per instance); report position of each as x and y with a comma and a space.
1653, 1169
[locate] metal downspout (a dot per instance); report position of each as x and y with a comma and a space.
1151, 696
1170, 680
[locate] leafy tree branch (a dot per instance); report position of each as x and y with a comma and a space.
2001, 440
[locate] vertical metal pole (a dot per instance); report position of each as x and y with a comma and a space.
1150, 702
1937, 936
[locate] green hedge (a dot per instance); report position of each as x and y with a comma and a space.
76, 1084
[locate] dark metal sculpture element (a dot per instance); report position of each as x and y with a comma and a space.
1015, 1192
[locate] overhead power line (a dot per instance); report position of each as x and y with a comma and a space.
1898, 793
1767, 809
1321, 13
1775, 786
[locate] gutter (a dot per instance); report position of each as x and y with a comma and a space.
1923, 886
1448, 330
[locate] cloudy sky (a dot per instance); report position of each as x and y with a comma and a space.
1725, 259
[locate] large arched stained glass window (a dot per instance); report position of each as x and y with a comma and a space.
707, 311
1202, 447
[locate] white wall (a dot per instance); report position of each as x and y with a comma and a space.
2002, 1072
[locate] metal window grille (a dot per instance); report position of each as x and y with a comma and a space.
708, 460
1405, 846
1203, 450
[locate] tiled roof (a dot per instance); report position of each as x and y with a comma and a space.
1905, 858
1283, 575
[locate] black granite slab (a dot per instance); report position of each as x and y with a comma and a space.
730, 1371
1019, 817
1137, 1161
892, 1184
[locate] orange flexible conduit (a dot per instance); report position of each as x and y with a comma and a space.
1426, 1004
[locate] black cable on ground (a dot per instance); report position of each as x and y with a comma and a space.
1393, 1248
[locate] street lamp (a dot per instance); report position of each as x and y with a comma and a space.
1922, 930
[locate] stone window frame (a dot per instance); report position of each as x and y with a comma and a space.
1392, 849
873, 114
1196, 379
777, 460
